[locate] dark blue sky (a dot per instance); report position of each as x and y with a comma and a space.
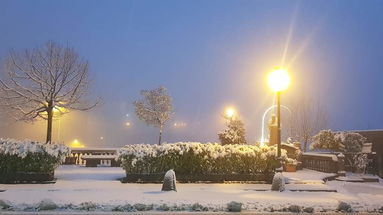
209, 54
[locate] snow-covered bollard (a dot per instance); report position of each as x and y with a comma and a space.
169, 181
278, 182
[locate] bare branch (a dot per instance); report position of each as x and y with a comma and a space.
40, 79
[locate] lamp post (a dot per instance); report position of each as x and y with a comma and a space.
279, 81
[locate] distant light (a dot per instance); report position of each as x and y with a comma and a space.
179, 124
127, 115
101, 138
262, 144
76, 144
230, 112
128, 124
279, 80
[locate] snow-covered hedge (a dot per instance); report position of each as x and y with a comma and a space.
198, 158
30, 156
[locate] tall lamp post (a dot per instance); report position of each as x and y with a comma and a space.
279, 81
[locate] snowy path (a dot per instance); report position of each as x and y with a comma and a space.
76, 185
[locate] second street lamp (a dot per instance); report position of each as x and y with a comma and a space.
279, 81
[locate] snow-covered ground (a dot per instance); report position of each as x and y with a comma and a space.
80, 188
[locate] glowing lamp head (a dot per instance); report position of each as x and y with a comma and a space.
230, 112
279, 80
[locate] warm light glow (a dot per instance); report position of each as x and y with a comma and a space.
76, 144
262, 144
57, 109
128, 124
230, 112
179, 124
279, 80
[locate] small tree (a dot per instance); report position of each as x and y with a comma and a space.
326, 139
307, 118
351, 142
155, 108
234, 133
42, 81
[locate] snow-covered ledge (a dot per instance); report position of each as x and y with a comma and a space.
324, 162
334, 157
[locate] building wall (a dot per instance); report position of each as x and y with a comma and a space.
376, 138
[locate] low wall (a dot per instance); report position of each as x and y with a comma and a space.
324, 162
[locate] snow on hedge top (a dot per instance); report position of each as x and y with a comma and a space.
213, 150
22, 148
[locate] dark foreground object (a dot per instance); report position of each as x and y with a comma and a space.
27, 178
169, 181
173, 213
158, 178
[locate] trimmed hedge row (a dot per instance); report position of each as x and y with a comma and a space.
198, 159
28, 157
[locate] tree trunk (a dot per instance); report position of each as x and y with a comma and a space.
49, 126
305, 146
159, 139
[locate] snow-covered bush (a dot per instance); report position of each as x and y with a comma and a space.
198, 158
344, 207
88, 206
348, 142
4, 204
351, 142
291, 161
308, 210
198, 207
295, 208
30, 156
234, 133
46, 204
327, 140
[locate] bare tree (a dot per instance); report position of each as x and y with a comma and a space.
307, 119
42, 81
155, 108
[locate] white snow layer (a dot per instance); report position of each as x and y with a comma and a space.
76, 185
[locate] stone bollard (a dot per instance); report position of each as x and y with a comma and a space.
169, 181
341, 168
278, 182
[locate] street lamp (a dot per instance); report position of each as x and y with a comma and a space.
279, 81
229, 113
